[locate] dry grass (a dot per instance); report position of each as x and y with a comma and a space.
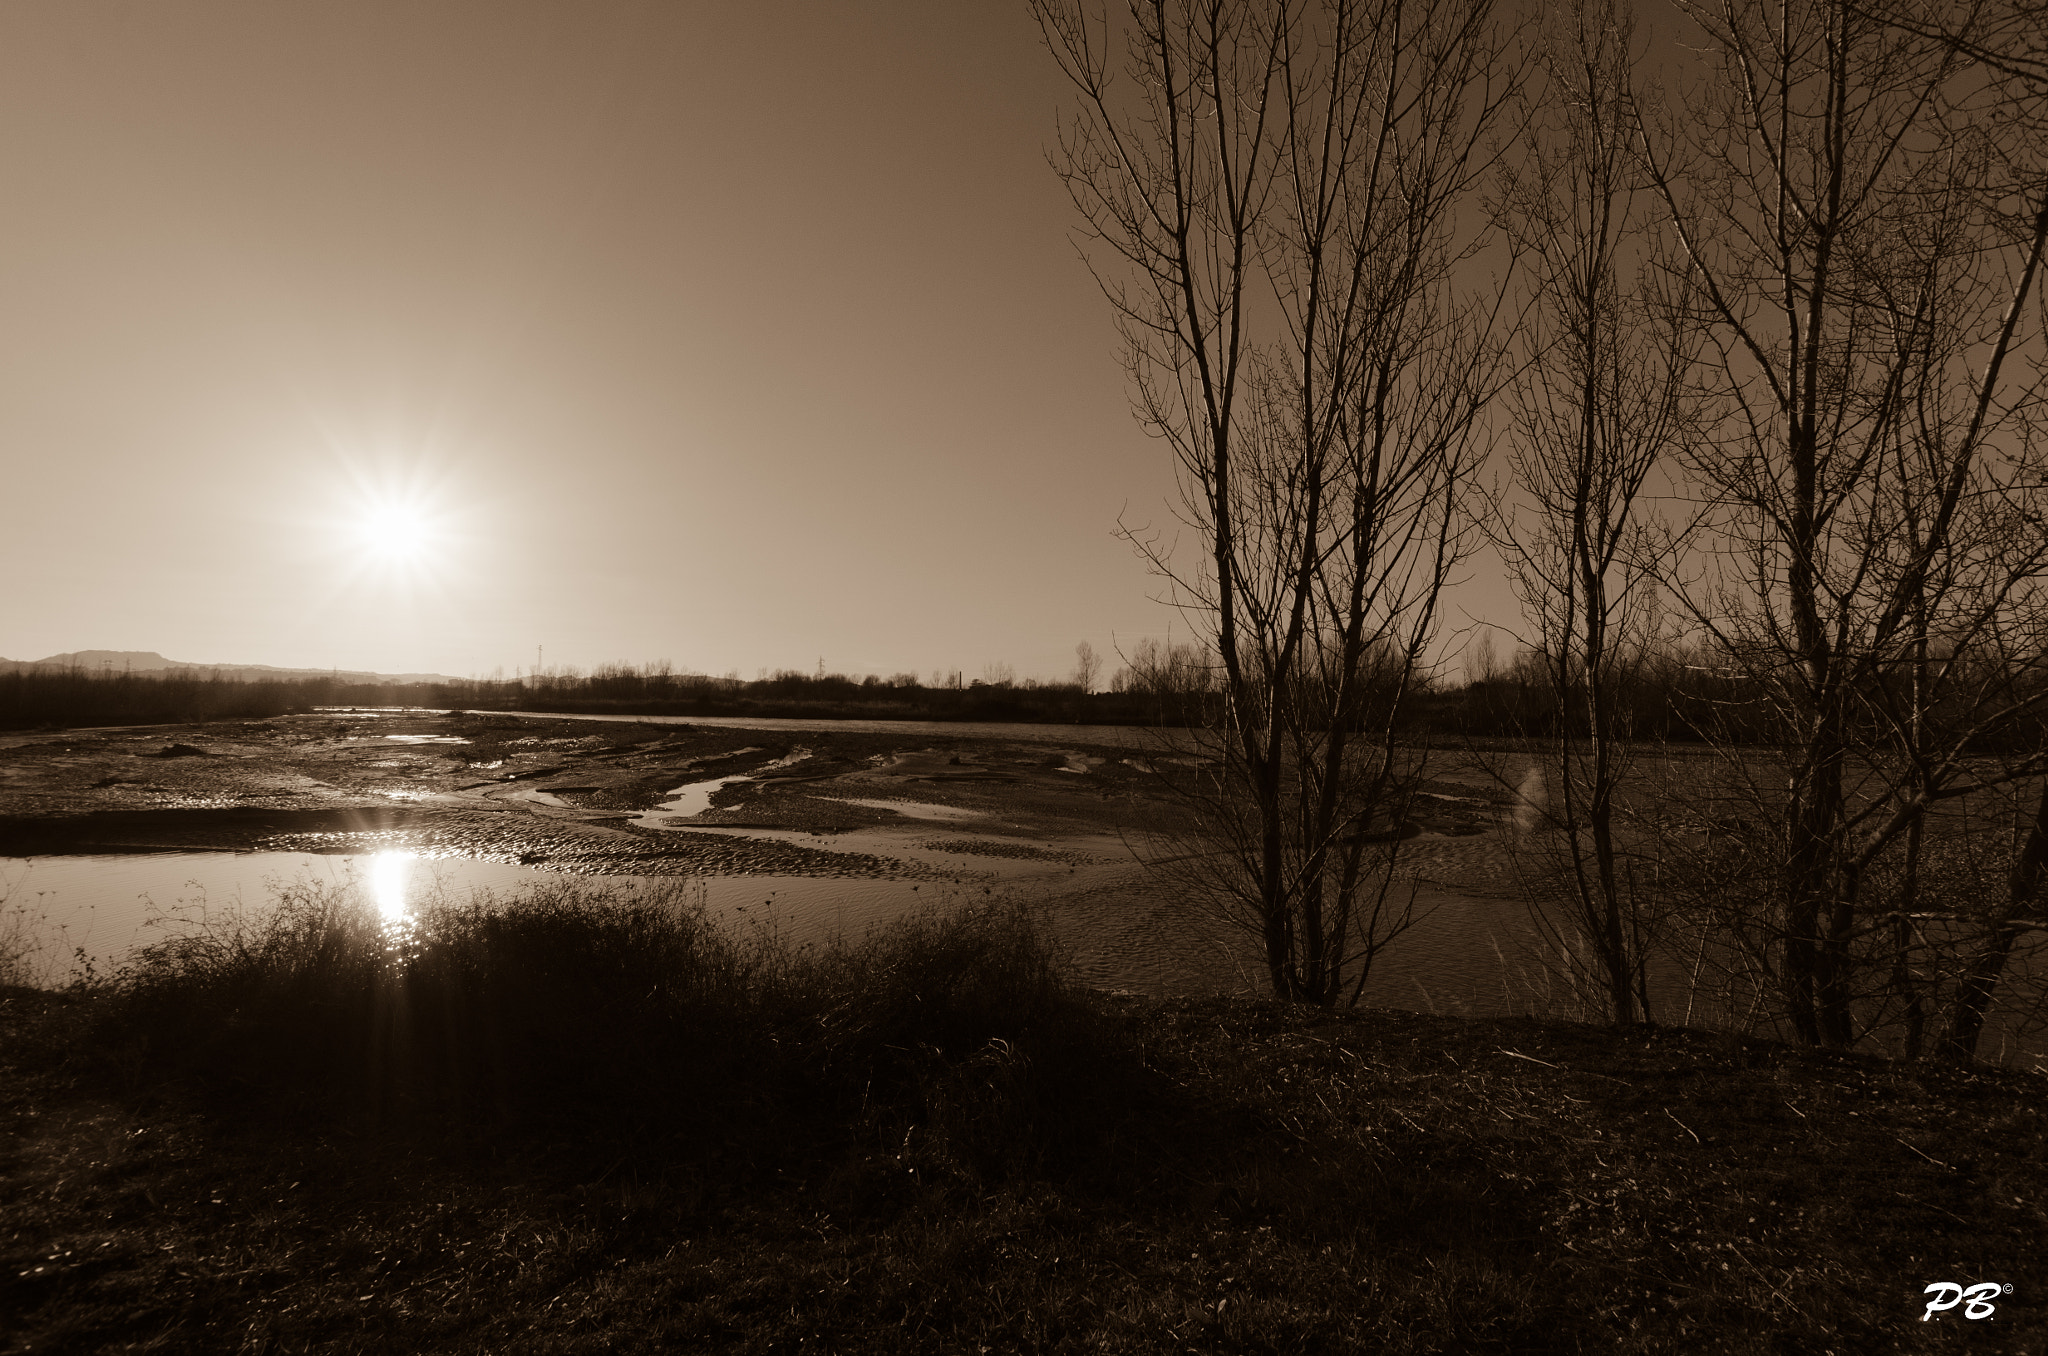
946, 1150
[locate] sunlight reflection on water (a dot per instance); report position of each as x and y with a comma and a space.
389, 872
100, 908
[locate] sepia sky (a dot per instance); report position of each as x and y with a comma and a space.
413, 337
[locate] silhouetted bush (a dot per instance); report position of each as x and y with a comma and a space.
631, 1024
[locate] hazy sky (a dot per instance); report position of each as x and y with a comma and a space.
738, 335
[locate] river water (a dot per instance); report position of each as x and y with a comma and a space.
1120, 929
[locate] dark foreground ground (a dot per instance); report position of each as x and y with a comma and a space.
535, 1132
1375, 1182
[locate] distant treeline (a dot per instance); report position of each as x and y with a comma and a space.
1666, 699
1173, 687
657, 690
1670, 698
66, 698
1681, 695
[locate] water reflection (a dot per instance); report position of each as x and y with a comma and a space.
390, 872
103, 907
390, 888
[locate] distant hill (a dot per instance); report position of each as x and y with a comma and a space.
149, 661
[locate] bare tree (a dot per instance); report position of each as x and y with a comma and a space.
1481, 660
1086, 666
1273, 190
2009, 39
1601, 399
1866, 239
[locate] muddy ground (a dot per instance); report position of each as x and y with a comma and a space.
584, 796
580, 796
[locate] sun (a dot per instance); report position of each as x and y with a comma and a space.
388, 526
397, 533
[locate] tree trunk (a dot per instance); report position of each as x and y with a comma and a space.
1980, 977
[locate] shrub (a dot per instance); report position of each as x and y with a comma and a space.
630, 1024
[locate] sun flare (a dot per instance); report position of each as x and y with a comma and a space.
397, 533
392, 527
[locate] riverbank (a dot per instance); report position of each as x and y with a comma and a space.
1035, 1168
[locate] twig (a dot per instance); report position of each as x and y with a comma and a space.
1583, 1073
1533, 1060
1929, 1157
1777, 1287
1930, 1204
1683, 1126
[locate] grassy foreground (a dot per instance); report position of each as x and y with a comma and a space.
587, 1123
